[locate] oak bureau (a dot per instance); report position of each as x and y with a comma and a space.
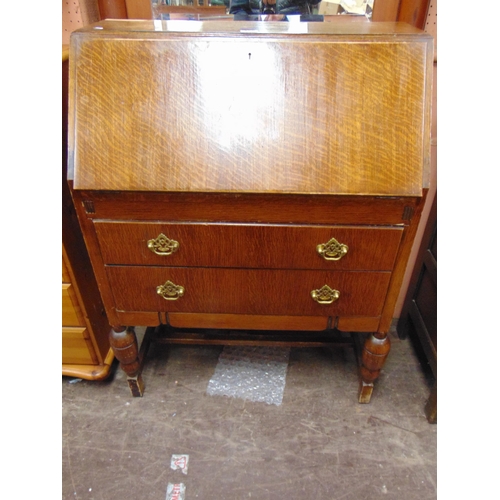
238, 176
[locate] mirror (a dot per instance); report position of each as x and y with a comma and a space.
163, 9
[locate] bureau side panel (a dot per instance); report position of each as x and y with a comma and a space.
400, 266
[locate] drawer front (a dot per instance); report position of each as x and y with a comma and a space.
71, 314
243, 291
249, 245
74, 347
65, 273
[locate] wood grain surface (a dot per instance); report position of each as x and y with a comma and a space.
188, 112
248, 291
249, 245
235, 207
250, 144
75, 346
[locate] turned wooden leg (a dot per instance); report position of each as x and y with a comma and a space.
375, 351
124, 344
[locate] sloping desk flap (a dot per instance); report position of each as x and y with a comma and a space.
243, 110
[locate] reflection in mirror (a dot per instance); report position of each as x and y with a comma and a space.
189, 3
162, 9
347, 7
189, 9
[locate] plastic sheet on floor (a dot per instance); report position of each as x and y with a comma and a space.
252, 373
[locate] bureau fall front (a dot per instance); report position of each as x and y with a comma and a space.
256, 177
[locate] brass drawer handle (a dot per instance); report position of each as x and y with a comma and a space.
325, 295
162, 245
170, 291
333, 250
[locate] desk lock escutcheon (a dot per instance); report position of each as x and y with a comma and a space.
162, 245
332, 250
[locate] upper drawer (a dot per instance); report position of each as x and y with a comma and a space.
249, 245
342, 113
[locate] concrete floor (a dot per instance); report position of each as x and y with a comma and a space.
318, 444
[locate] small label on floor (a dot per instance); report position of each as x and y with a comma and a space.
176, 491
180, 462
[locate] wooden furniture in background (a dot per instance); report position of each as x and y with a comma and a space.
419, 315
86, 352
413, 12
208, 201
115, 9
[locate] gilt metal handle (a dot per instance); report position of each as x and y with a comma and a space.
333, 250
162, 245
325, 295
170, 291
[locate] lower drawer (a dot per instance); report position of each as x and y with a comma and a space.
247, 291
75, 349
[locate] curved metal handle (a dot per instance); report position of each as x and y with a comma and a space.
333, 250
170, 291
325, 295
162, 245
